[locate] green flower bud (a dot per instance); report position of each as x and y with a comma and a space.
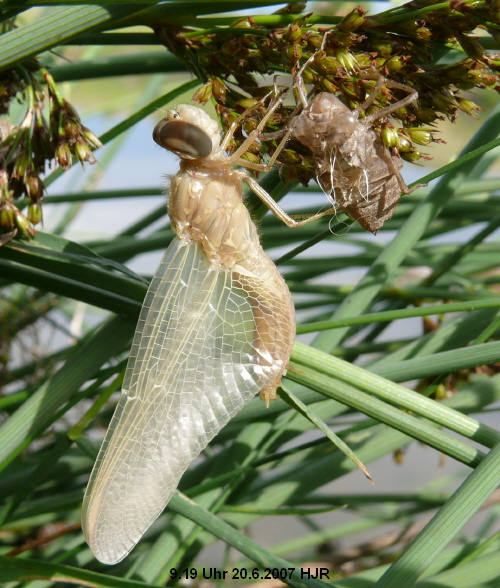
401, 113
249, 125
292, 53
329, 86
7, 219
353, 20
82, 151
35, 213
364, 60
251, 157
346, 59
63, 156
290, 156
219, 90
395, 64
71, 112
420, 136
21, 165
468, 106
24, 225
71, 130
293, 33
248, 102
404, 145
382, 48
229, 117
443, 103
91, 139
379, 63
287, 174
230, 48
426, 115
308, 76
459, 71
487, 79
326, 64
423, 34
343, 38
204, 59
409, 27
412, 156
390, 137
351, 91
315, 41
34, 186
470, 46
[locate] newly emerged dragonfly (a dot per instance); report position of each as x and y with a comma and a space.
354, 168
217, 327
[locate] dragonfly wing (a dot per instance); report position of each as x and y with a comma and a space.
193, 366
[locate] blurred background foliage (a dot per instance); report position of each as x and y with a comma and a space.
418, 304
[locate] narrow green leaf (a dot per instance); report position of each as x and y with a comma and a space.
119, 65
390, 315
16, 569
34, 415
306, 412
443, 527
445, 362
242, 543
59, 26
390, 392
75, 289
385, 413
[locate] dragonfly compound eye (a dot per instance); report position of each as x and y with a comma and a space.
183, 138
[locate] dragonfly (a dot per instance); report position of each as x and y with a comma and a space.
216, 328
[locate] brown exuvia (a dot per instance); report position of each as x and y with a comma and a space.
354, 168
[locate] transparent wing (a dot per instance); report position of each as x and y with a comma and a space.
196, 359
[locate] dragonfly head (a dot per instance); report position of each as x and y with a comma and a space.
187, 131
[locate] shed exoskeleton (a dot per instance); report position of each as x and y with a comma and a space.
354, 168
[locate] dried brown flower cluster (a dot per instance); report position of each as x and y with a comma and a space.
28, 148
404, 44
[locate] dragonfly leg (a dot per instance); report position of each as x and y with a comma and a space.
278, 211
